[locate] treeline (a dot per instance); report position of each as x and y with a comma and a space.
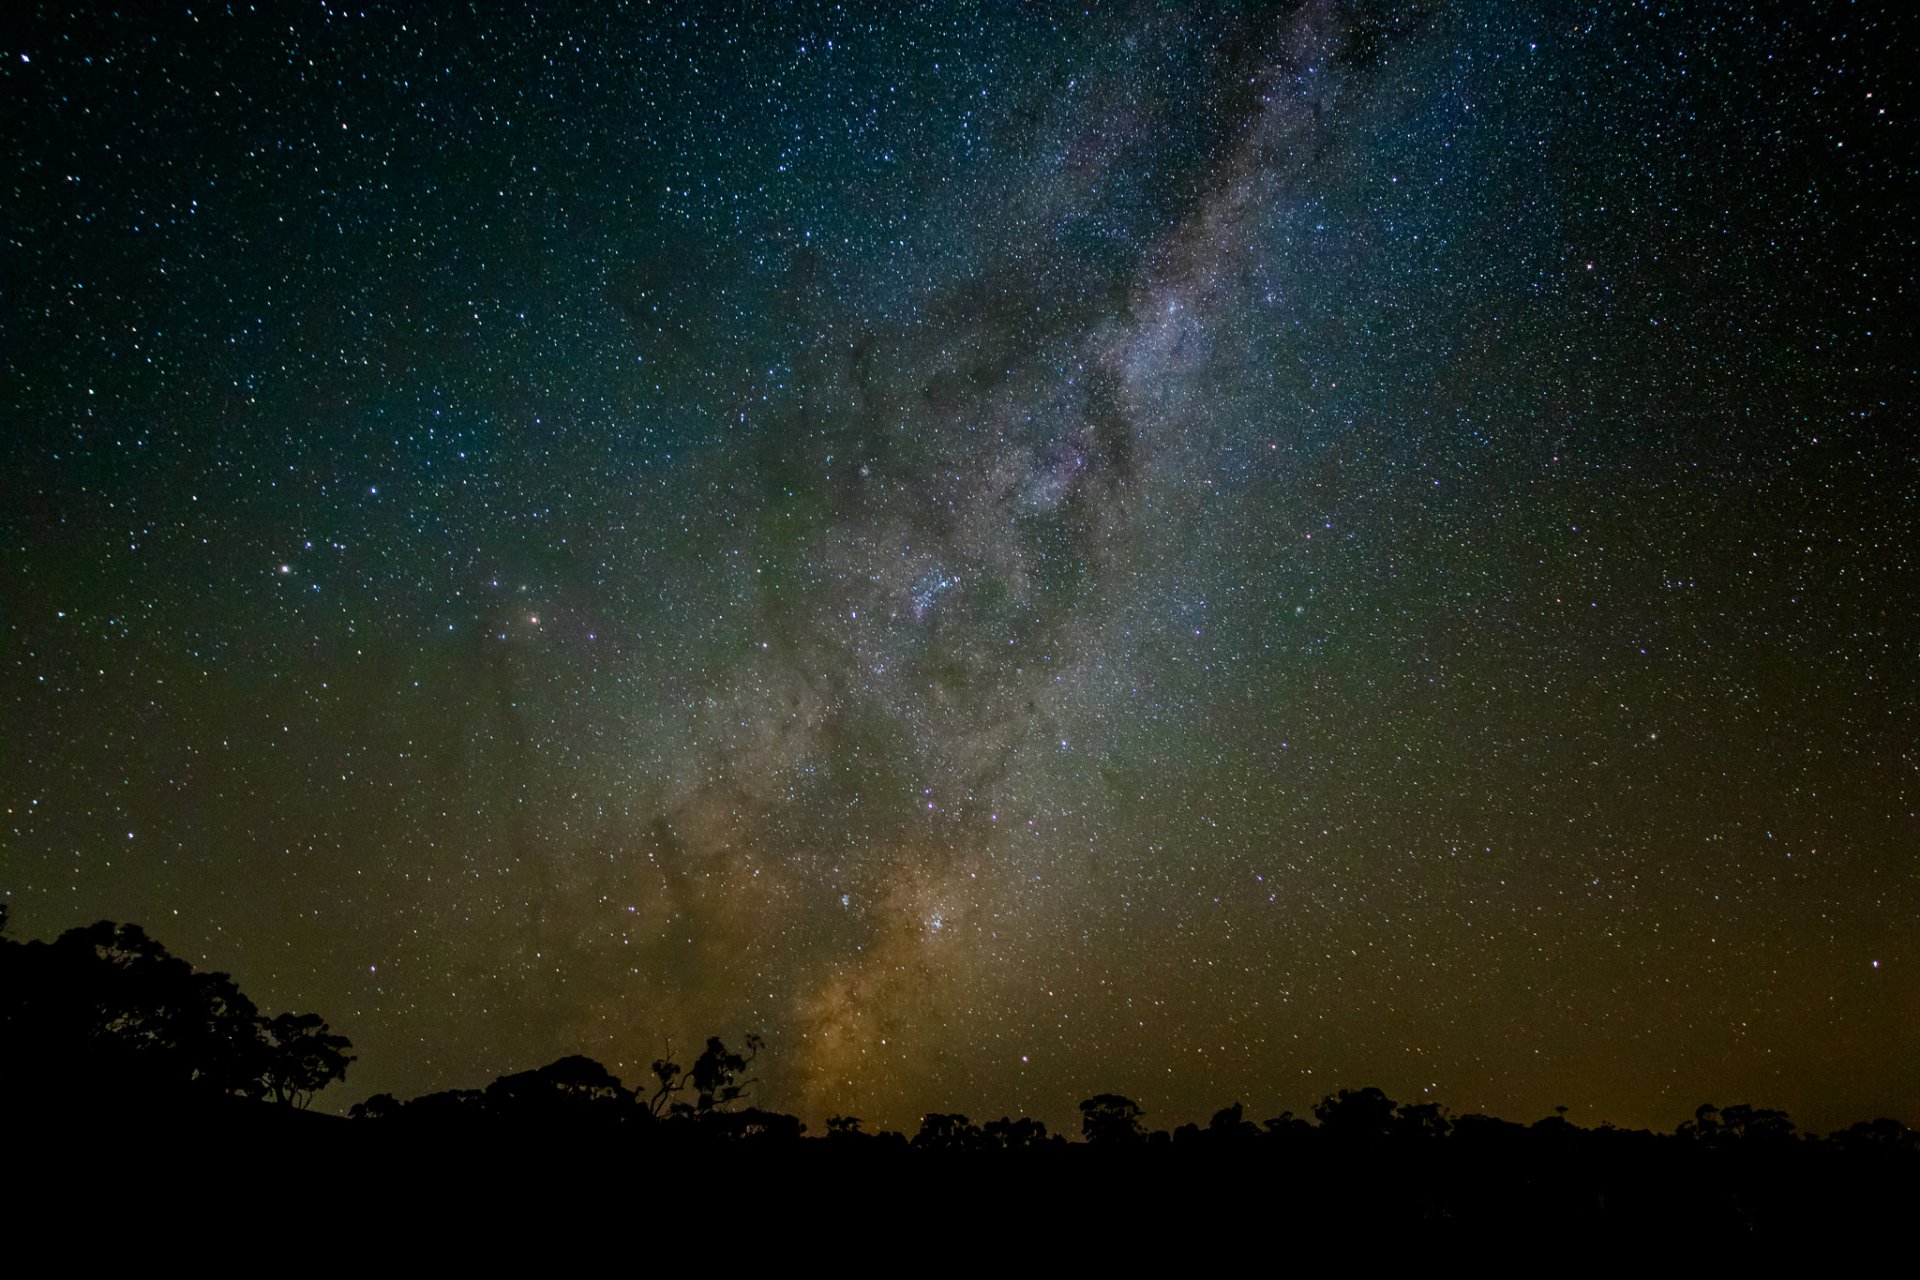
104, 1018
579, 1095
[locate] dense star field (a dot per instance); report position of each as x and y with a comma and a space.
1017, 551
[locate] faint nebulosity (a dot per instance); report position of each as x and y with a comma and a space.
1016, 550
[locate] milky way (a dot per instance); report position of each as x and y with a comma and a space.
1015, 552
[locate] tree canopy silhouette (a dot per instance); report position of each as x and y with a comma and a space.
1359, 1113
106, 1013
940, 1131
713, 1079
1111, 1120
1719, 1126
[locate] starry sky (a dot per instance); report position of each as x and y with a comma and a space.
1018, 551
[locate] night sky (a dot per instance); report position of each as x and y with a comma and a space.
1017, 551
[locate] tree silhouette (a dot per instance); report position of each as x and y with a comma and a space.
845, 1126
714, 1079
1111, 1120
1717, 1126
1229, 1124
568, 1090
948, 1132
1358, 1114
1010, 1134
752, 1124
1421, 1120
1883, 1134
381, 1106
449, 1109
105, 1015
1285, 1125
300, 1056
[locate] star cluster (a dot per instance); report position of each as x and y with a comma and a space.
1017, 551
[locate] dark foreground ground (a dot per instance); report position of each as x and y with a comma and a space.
245, 1166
